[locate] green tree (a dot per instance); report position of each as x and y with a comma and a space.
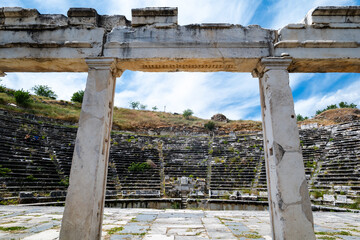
45, 91
134, 105
78, 96
22, 98
187, 113
142, 106
154, 108
299, 118
346, 105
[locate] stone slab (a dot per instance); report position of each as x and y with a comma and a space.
248, 220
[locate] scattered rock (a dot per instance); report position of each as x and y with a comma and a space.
219, 118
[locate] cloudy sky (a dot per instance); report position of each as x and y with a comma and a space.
234, 94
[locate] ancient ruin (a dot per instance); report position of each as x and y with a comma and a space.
105, 46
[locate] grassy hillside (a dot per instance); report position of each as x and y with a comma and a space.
143, 120
124, 119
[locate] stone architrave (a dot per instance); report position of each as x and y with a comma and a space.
86, 194
289, 201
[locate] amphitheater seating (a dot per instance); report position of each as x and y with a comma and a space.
218, 165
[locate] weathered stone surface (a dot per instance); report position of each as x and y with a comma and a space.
216, 224
328, 14
326, 41
287, 187
191, 48
165, 16
83, 16
327, 35
84, 209
110, 22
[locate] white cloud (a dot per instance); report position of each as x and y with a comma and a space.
231, 11
297, 78
53, 6
63, 84
234, 94
10, 3
350, 94
205, 93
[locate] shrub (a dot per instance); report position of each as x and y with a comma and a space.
2, 87
45, 91
317, 194
31, 178
78, 96
65, 181
4, 171
187, 113
138, 167
22, 97
210, 125
10, 92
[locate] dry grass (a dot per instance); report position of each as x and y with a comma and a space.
46, 107
334, 116
124, 119
128, 119
143, 120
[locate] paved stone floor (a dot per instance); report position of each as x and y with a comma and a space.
18, 222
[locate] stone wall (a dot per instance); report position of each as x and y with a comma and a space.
35, 159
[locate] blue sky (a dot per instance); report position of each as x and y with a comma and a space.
234, 94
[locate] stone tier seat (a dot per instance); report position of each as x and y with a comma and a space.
122, 155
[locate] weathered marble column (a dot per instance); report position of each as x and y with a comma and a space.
289, 202
86, 193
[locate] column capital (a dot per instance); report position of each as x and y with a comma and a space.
101, 63
271, 63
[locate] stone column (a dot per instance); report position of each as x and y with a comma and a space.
85, 198
289, 201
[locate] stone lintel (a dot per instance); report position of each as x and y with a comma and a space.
83, 16
329, 14
154, 15
82, 12
18, 12
336, 11
154, 11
